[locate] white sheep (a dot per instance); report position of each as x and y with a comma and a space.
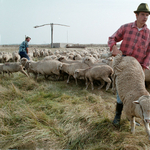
65, 60
13, 67
106, 55
5, 58
70, 68
77, 57
52, 57
15, 57
130, 84
90, 61
101, 73
46, 68
108, 61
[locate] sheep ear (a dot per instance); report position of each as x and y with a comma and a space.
135, 102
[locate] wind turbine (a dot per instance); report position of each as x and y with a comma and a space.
51, 24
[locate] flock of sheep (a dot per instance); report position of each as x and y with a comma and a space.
90, 65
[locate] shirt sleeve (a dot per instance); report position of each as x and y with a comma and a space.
146, 61
116, 37
26, 44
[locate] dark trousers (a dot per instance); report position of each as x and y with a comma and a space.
24, 54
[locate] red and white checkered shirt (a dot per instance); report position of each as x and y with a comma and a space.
135, 43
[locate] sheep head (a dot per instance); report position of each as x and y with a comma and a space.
144, 103
23, 61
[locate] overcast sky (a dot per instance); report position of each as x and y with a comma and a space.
90, 21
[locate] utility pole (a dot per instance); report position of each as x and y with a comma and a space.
52, 35
51, 25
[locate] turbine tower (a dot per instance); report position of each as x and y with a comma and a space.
51, 24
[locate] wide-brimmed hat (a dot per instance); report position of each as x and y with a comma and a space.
28, 37
143, 7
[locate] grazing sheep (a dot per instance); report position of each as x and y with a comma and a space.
130, 84
70, 68
23, 61
91, 62
77, 57
50, 52
95, 56
45, 53
5, 58
15, 57
108, 61
46, 68
101, 73
70, 57
106, 55
63, 59
13, 67
36, 53
50, 57
41, 53
29, 67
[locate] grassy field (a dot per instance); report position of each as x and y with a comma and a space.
52, 114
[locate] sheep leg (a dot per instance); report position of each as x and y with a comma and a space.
58, 78
8, 73
61, 75
91, 81
147, 129
3, 73
102, 83
76, 81
68, 79
28, 72
106, 79
22, 71
114, 84
132, 122
87, 83
46, 77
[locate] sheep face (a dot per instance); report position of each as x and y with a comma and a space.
144, 102
74, 58
23, 61
59, 67
61, 58
71, 57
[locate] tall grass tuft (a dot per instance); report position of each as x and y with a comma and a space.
53, 115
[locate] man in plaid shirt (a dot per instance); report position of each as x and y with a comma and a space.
135, 39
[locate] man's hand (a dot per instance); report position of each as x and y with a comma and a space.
115, 51
27, 50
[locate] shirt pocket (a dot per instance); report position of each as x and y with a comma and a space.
142, 47
142, 44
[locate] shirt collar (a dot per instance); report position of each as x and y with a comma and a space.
135, 26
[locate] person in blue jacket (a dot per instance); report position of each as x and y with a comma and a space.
23, 48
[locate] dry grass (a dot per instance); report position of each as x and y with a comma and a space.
55, 115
